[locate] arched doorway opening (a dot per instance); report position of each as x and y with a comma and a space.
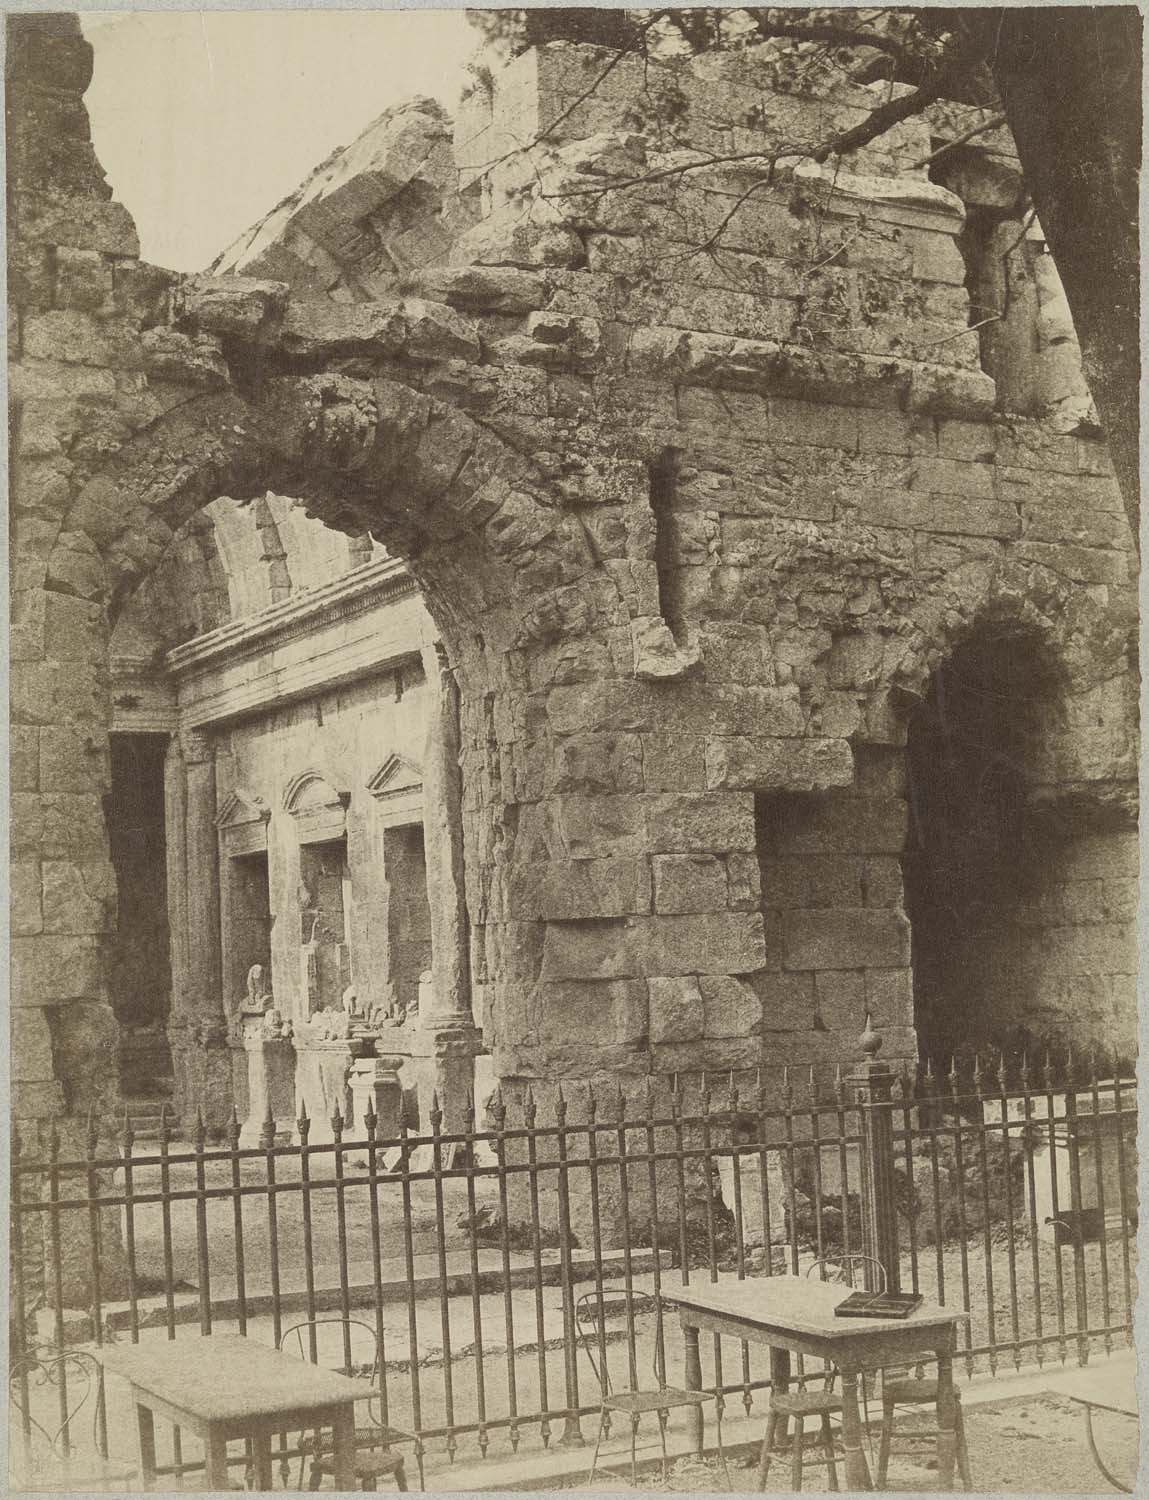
1020, 863
973, 850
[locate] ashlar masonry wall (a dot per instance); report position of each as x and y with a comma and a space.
702, 481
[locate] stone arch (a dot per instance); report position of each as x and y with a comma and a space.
1083, 638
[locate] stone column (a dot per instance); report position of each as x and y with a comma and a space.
209, 1059
448, 1019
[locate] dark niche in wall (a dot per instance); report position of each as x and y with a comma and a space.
139, 972
969, 861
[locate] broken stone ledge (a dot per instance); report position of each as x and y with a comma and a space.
721, 361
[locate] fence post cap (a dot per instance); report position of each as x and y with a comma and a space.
871, 1041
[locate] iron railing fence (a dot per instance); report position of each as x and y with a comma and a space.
1014, 1196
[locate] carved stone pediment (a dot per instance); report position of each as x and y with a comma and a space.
318, 807
242, 823
397, 787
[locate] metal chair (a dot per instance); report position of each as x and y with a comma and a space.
802, 1405
60, 1384
374, 1455
593, 1308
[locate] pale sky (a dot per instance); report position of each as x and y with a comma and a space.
204, 120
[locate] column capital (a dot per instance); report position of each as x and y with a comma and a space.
196, 746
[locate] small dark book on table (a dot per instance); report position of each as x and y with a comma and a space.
878, 1305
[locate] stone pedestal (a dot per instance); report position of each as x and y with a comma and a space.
270, 1080
376, 1088
323, 1081
453, 1052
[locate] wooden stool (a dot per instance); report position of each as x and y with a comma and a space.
798, 1406
911, 1392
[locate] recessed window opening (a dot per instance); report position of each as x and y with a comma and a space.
663, 487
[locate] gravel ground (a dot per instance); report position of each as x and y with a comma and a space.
1032, 1444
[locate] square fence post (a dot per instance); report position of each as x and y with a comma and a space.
873, 1084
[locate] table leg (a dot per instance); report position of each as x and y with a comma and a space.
857, 1469
947, 1422
261, 1445
343, 1458
779, 1385
146, 1437
215, 1460
692, 1379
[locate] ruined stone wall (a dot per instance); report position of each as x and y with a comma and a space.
701, 480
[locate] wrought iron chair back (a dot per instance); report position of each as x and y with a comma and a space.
303, 1339
846, 1270
594, 1308
78, 1381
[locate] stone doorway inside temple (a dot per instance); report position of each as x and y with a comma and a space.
325, 900
140, 965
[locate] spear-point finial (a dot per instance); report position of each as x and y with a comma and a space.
870, 1041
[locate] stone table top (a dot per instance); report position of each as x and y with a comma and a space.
217, 1377
798, 1304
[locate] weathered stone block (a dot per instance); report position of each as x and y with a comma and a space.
673, 763
73, 629
73, 825
787, 1000
583, 888
24, 909
731, 1006
841, 1000
883, 881
613, 1011
723, 942
844, 825
50, 970
83, 279
845, 939
685, 824
778, 764
31, 1046
936, 257
890, 996
23, 758
594, 949
597, 762
812, 880
72, 760
83, 223
688, 883
77, 338
79, 897
810, 422
598, 827
676, 1009
229, 305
